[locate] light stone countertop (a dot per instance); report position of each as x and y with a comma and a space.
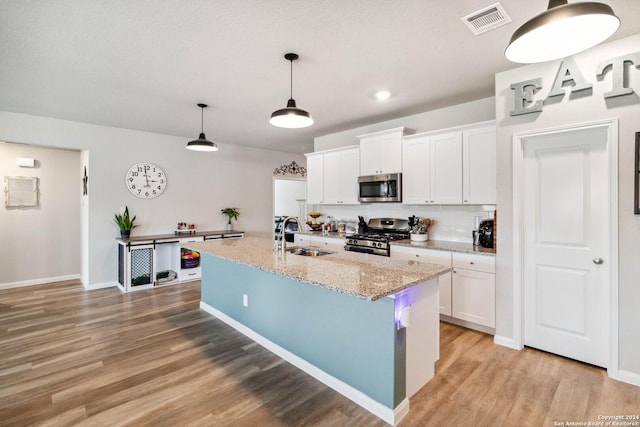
442, 245
439, 245
366, 276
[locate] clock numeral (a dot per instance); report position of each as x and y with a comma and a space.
159, 175
139, 191
159, 188
146, 193
154, 192
130, 179
133, 187
135, 173
162, 181
139, 170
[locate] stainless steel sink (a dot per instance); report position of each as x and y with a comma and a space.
304, 251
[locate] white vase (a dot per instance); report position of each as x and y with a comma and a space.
419, 237
228, 227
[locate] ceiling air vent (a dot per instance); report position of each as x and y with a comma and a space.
486, 19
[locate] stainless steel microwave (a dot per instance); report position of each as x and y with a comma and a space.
380, 188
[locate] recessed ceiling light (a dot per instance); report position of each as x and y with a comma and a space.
382, 95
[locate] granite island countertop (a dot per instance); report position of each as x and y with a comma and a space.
366, 276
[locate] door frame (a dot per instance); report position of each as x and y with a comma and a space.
518, 139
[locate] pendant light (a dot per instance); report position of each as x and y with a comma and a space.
291, 117
562, 30
202, 143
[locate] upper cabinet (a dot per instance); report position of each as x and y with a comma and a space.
341, 176
479, 166
381, 152
315, 186
332, 176
450, 167
432, 169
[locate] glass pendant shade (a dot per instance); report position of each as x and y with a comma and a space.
202, 143
291, 117
563, 30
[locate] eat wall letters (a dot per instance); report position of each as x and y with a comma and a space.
570, 75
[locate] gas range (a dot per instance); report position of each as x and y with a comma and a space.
381, 232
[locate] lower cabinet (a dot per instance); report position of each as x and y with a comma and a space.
434, 257
468, 292
473, 289
332, 243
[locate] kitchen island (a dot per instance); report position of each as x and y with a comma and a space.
365, 325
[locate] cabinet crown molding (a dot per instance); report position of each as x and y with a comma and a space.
401, 130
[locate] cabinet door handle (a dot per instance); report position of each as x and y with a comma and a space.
471, 262
465, 201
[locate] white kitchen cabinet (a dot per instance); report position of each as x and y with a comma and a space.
473, 289
332, 176
381, 152
327, 242
479, 165
315, 178
433, 257
340, 174
432, 168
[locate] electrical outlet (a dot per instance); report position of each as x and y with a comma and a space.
245, 300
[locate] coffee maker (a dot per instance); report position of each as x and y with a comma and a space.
485, 232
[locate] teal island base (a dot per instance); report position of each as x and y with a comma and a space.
376, 353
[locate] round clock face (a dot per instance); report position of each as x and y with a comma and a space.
146, 180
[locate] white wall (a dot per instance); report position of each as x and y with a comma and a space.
456, 115
199, 184
564, 111
453, 223
44, 241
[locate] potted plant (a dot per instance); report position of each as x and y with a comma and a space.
232, 213
125, 223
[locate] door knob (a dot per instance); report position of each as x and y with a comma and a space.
598, 260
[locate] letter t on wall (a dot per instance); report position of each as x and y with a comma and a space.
617, 65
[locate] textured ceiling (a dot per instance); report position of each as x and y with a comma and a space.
144, 64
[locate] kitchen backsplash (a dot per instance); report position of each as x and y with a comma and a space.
452, 223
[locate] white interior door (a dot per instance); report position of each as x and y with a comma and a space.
566, 259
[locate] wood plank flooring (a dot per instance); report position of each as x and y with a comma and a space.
103, 358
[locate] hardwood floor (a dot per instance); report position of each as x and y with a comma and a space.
103, 358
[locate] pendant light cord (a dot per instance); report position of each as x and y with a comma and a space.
291, 79
201, 119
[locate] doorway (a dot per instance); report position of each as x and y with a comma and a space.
289, 199
565, 231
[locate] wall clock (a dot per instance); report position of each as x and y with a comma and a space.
146, 180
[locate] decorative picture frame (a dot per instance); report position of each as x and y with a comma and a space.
21, 192
636, 177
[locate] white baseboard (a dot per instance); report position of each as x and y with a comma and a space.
34, 282
389, 415
102, 285
628, 377
506, 342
